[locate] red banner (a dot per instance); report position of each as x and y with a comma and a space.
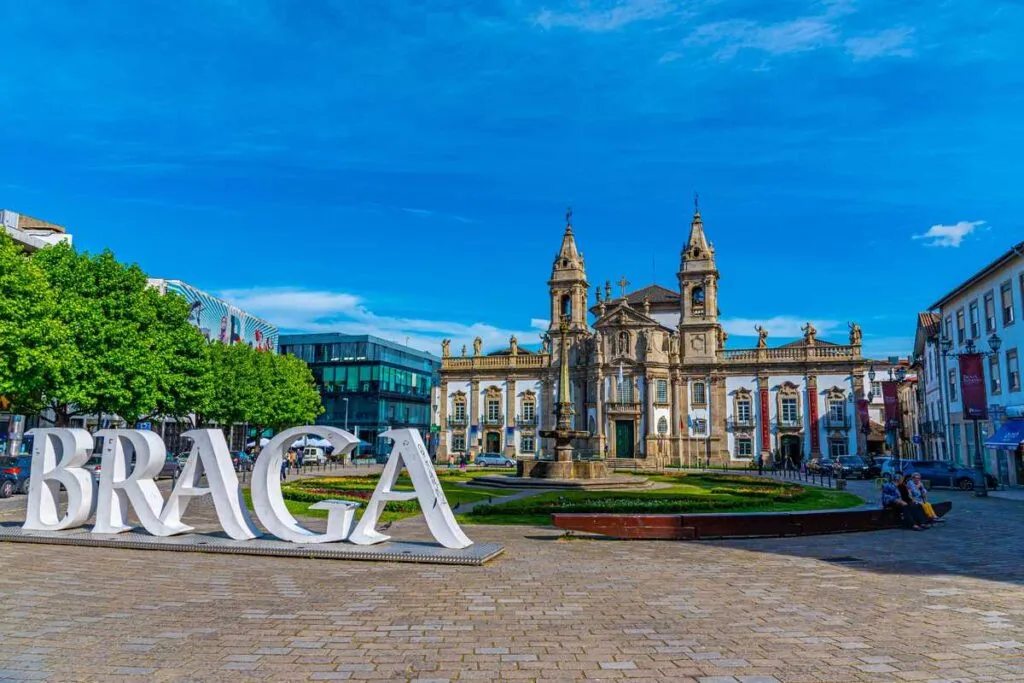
892, 405
812, 406
865, 415
972, 387
766, 442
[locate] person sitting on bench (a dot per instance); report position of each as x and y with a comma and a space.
912, 517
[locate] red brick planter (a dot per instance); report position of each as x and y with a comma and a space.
732, 525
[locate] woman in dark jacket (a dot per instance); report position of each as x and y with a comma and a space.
912, 509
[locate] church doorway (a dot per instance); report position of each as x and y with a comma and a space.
492, 442
790, 450
624, 439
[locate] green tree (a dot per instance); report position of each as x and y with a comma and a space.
31, 340
183, 373
284, 392
233, 391
132, 352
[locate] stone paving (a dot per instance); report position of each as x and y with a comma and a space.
941, 605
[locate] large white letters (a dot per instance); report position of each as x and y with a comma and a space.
73, 447
266, 488
210, 454
59, 454
118, 488
409, 449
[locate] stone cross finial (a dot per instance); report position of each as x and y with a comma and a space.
623, 283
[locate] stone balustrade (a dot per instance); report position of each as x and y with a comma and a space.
522, 362
786, 354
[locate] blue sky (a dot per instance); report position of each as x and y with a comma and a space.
320, 162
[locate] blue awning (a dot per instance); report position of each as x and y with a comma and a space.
1010, 435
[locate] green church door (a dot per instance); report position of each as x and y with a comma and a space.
493, 442
623, 438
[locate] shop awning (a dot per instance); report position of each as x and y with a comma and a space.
1010, 435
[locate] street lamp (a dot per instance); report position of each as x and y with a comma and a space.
970, 349
346, 413
899, 377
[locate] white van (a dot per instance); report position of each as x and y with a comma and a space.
313, 455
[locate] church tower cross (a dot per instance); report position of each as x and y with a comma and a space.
623, 283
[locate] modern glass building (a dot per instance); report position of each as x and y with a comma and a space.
368, 384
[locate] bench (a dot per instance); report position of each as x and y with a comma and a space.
733, 525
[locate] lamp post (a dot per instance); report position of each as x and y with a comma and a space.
899, 377
970, 349
345, 400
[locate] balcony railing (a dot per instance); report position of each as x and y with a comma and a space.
794, 353
742, 422
623, 407
526, 421
457, 421
493, 421
837, 421
495, 362
791, 424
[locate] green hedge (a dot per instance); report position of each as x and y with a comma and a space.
621, 505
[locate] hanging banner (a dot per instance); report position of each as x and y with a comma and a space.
864, 414
972, 387
812, 410
766, 443
892, 405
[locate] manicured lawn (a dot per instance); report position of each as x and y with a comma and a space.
299, 494
690, 493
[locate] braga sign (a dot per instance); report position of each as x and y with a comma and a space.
58, 456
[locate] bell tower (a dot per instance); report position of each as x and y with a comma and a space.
568, 285
699, 329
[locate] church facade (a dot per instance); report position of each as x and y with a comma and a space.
652, 379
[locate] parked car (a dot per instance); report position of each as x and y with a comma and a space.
876, 463
850, 467
941, 473
14, 474
93, 465
494, 460
171, 468
313, 455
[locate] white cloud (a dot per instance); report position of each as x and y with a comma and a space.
610, 18
892, 42
784, 326
301, 310
798, 35
824, 29
540, 323
949, 235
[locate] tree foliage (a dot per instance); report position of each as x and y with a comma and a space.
84, 334
30, 338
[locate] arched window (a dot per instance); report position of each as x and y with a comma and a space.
566, 306
663, 425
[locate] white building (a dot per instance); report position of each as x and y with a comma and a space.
31, 233
989, 303
652, 379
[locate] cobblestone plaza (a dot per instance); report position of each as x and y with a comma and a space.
944, 605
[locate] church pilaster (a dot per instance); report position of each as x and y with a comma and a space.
442, 420
474, 418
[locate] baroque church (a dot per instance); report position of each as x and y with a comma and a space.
652, 381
